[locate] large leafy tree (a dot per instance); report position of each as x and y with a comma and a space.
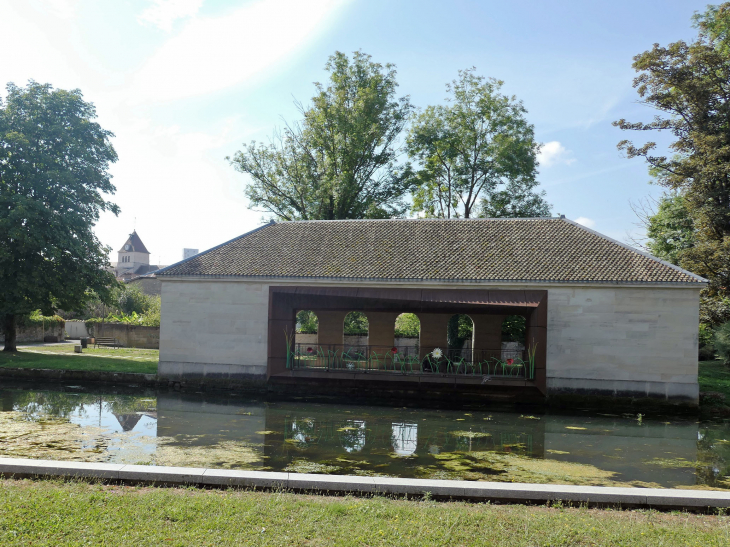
340, 160
477, 154
54, 162
689, 84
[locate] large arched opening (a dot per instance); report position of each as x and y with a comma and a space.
355, 330
407, 334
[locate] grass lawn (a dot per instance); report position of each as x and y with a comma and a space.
75, 513
150, 355
104, 359
715, 376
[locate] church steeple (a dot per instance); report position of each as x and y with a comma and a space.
134, 245
132, 256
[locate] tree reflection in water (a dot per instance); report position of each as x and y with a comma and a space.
352, 435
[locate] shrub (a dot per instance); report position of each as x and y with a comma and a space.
514, 328
356, 324
722, 342
407, 325
307, 322
36, 319
706, 343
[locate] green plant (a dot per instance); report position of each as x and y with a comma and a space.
706, 342
356, 324
531, 352
36, 319
722, 342
407, 325
307, 322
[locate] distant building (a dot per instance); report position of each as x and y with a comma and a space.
133, 259
189, 253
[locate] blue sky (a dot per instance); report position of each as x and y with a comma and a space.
182, 83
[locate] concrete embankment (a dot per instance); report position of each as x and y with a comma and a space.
674, 499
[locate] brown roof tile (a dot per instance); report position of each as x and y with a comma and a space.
542, 249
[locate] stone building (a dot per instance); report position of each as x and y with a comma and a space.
599, 316
133, 265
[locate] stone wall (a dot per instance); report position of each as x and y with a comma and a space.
32, 335
616, 340
214, 329
130, 336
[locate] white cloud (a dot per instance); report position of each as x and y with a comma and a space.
214, 53
553, 153
163, 13
585, 221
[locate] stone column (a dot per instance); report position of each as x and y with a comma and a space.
331, 327
381, 329
433, 331
487, 335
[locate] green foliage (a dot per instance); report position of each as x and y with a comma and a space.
54, 162
136, 308
478, 151
130, 299
36, 319
339, 162
407, 325
513, 329
687, 84
307, 322
722, 342
670, 230
706, 342
131, 306
356, 324
459, 329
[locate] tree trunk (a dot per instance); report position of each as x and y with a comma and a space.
8, 326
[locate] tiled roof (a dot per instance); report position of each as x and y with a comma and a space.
504, 250
135, 244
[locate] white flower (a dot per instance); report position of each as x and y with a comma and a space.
437, 353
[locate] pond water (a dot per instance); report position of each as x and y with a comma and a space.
230, 431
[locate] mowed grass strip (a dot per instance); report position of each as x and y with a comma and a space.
76, 513
32, 359
714, 376
151, 355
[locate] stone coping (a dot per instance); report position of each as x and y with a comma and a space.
345, 484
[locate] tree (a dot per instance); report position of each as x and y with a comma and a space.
54, 163
689, 84
356, 324
477, 152
307, 322
339, 162
407, 325
668, 225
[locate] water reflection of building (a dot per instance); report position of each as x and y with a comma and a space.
405, 438
129, 421
205, 416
